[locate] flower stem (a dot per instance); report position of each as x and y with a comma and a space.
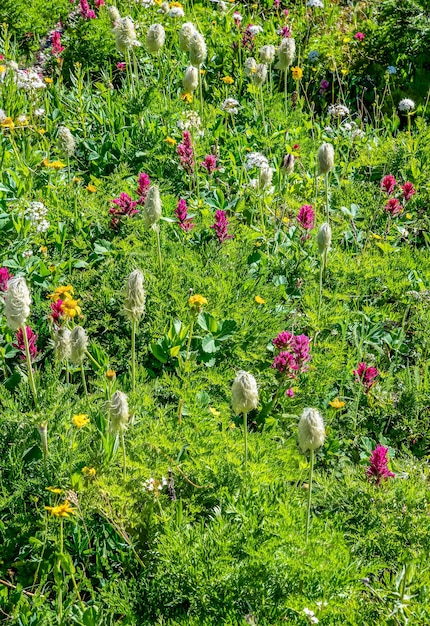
160, 262
201, 93
326, 198
311, 472
60, 590
286, 91
133, 355
84, 382
190, 336
321, 286
245, 433
124, 458
29, 367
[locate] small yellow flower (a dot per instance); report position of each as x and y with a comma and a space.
43, 250
81, 420
71, 308
45, 162
297, 73
91, 188
375, 236
8, 123
337, 404
344, 71
42, 131
346, 39
202, 72
170, 141
62, 510
214, 412
54, 489
2, 69
409, 216
57, 165
197, 301
254, 6
76, 179
48, 80
111, 375
187, 97
176, 4
260, 300
89, 471
63, 292
227, 80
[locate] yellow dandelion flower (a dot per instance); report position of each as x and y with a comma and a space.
227, 80
42, 131
2, 69
214, 412
8, 123
48, 80
54, 489
170, 141
197, 300
45, 162
111, 375
409, 216
63, 292
337, 404
344, 71
202, 72
91, 188
57, 165
260, 300
71, 308
43, 250
346, 39
62, 510
80, 420
297, 73
176, 4
89, 471
187, 97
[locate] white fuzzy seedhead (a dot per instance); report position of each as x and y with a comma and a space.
152, 207
187, 32
78, 344
324, 238
17, 302
125, 35
118, 412
244, 393
190, 81
325, 157
135, 297
286, 53
62, 344
265, 177
155, 38
113, 14
287, 165
406, 105
259, 77
311, 430
250, 66
198, 50
267, 54
66, 141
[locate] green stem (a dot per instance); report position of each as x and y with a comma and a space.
321, 285
190, 336
60, 590
133, 355
29, 367
92, 359
326, 198
286, 91
124, 458
160, 262
245, 433
201, 93
84, 382
311, 472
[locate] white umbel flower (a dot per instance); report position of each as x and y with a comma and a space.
406, 105
135, 297
78, 344
311, 430
155, 38
66, 141
125, 35
187, 32
190, 81
62, 343
244, 393
325, 157
17, 302
324, 238
267, 54
118, 412
152, 207
198, 50
286, 53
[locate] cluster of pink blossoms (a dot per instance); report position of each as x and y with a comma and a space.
185, 152
125, 206
20, 345
293, 355
306, 219
388, 186
181, 212
378, 468
221, 226
366, 375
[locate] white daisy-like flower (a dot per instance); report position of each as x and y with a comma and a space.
230, 105
406, 105
254, 29
338, 110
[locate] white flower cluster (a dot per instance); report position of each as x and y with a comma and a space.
315, 4
3, 116
29, 80
311, 616
256, 159
39, 112
191, 120
152, 485
406, 105
254, 29
346, 128
230, 105
176, 12
338, 110
37, 213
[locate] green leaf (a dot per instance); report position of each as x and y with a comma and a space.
208, 344
207, 322
158, 352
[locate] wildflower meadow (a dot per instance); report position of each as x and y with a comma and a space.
215, 312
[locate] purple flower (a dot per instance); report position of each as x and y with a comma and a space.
86, 12
125, 206
185, 152
285, 32
221, 225
20, 345
300, 346
121, 66
359, 36
324, 85
366, 375
56, 311
285, 363
283, 340
143, 185
209, 163
378, 468
306, 217
290, 392
181, 213
57, 48
4, 277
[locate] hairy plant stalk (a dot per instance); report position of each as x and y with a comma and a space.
311, 472
133, 355
124, 457
245, 433
29, 367
84, 382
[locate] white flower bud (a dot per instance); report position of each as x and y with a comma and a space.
17, 302
191, 79
250, 66
244, 393
152, 207
66, 141
286, 53
265, 177
287, 165
118, 412
258, 78
114, 14
187, 32
267, 54
198, 50
62, 344
155, 38
78, 344
325, 158
324, 238
125, 35
135, 297
311, 430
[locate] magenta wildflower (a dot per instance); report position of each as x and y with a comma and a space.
324, 85
378, 468
221, 225
359, 36
393, 207
237, 19
388, 184
408, 191
290, 392
181, 213
99, 3
300, 346
248, 37
286, 364
57, 48
56, 311
286, 12
121, 66
185, 152
306, 217
276, 3
4, 277
366, 375
285, 32
283, 340
125, 206
209, 163
86, 12
20, 345
294, 353
143, 185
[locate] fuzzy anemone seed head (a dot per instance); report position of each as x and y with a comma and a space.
155, 38
265, 177
62, 343
406, 105
152, 207
66, 141
325, 157
324, 238
286, 53
250, 66
78, 344
187, 32
267, 54
287, 165
118, 412
198, 49
311, 430
259, 77
114, 14
244, 393
135, 297
190, 81
17, 302
125, 35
